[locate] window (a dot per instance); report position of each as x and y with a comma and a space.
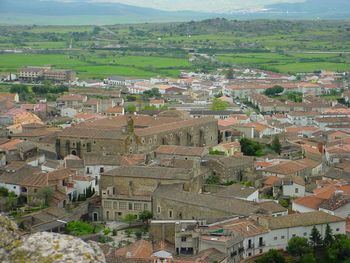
296, 190
130, 206
260, 251
107, 215
138, 206
88, 170
282, 237
158, 209
122, 205
35, 190
145, 207
275, 238
107, 204
183, 239
305, 234
337, 229
170, 213
102, 169
14, 187
115, 205
294, 235
88, 147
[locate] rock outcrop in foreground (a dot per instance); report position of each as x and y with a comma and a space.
44, 247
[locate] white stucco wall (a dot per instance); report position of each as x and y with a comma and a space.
290, 190
301, 209
16, 189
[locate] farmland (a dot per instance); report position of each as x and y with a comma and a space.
147, 50
98, 65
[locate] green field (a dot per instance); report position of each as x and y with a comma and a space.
147, 50
95, 66
290, 63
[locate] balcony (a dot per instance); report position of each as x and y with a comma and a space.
250, 246
262, 244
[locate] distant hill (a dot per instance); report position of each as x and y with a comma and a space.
85, 12
324, 9
80, 12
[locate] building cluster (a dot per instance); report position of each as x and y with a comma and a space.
212, 198
35, 74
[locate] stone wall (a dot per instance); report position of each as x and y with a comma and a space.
162, 208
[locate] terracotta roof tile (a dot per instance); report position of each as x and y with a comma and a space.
312, 202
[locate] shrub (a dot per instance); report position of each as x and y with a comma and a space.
79, 228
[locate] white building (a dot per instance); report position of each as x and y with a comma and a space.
81, 183
338, 205
264, 233
96, 164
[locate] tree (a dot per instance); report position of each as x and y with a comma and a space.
339, 250
131, 108
213, 179
275, 90
11, 201
251, 148
328, 236
276, 145
22, 90
145, 215
80, 228
218, 104
315, 237
298, 246
129, 218
295, 96
153, 93
307, 258
46, 194
273, 256
4, 192
229, 74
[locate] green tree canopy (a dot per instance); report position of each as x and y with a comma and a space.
251, 148
129, 218
339, 250
307, 258
146, 215
272, 256
328, 236
46, 193
315, 237
276, 145
153, 93
229, 74
131, 108
218, 104
298, 246
275, 90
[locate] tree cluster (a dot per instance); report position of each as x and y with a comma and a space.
251, 148
218, 104
153, 93
275, 90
